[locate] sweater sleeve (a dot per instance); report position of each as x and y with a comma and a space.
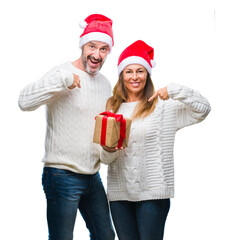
107, 157
191, 105
45, 89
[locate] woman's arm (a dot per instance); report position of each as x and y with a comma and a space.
192, 106
108, 155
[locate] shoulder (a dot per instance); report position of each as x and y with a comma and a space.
65, 66
60, 67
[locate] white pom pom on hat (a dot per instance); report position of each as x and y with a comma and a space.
153, 63
83, 24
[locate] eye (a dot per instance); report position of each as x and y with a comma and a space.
141, 71
103, 49
92, 46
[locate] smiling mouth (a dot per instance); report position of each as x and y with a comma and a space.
135, 84
94, 61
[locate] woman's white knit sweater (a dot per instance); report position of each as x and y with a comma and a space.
144, 170
70, 116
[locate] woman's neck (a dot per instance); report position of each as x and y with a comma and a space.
134, 97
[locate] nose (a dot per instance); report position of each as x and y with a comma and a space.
134, 76
96, 54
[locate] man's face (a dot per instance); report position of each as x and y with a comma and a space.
94, 54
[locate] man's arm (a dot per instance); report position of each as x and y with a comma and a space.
46, 89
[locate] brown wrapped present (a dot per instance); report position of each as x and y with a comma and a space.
112, 130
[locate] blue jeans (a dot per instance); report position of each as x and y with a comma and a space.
144, 220
66, 192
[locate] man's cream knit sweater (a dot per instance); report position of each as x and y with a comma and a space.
144, 170
70, 116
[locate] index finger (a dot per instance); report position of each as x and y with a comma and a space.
77, 80
78, 83
154, 96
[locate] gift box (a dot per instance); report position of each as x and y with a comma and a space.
111, 130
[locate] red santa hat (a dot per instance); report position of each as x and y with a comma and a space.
97, 27
137, 53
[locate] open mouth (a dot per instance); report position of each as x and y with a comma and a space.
94, 61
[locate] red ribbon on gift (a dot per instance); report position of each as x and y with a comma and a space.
118, 118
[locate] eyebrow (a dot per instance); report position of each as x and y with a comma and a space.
141, 68
94, 43
105, 46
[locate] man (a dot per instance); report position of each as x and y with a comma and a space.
74, 93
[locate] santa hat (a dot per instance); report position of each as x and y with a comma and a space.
137, 53
97, 27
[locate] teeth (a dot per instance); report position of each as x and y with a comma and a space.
95, 62
135, 83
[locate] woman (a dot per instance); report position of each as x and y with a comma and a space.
141, 176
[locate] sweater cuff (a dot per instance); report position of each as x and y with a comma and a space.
173, 89
108, 157
68, 78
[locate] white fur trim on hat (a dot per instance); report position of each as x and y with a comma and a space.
96, 36
134, 60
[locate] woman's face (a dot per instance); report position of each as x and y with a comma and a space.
134, 76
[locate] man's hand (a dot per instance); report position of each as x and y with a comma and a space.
161, 93
76, 82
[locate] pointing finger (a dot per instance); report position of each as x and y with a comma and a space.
78, 83
154, 96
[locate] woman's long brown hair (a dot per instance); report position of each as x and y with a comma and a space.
143, 108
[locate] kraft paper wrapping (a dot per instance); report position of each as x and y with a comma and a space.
112, 131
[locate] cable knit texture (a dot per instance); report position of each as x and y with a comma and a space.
145, 169
70, 116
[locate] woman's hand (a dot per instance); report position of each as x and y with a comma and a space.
111, 149
161, 93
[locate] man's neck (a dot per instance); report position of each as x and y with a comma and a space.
79, 64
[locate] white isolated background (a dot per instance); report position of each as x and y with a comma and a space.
191, 48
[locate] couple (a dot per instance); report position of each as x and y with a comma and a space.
140, 177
